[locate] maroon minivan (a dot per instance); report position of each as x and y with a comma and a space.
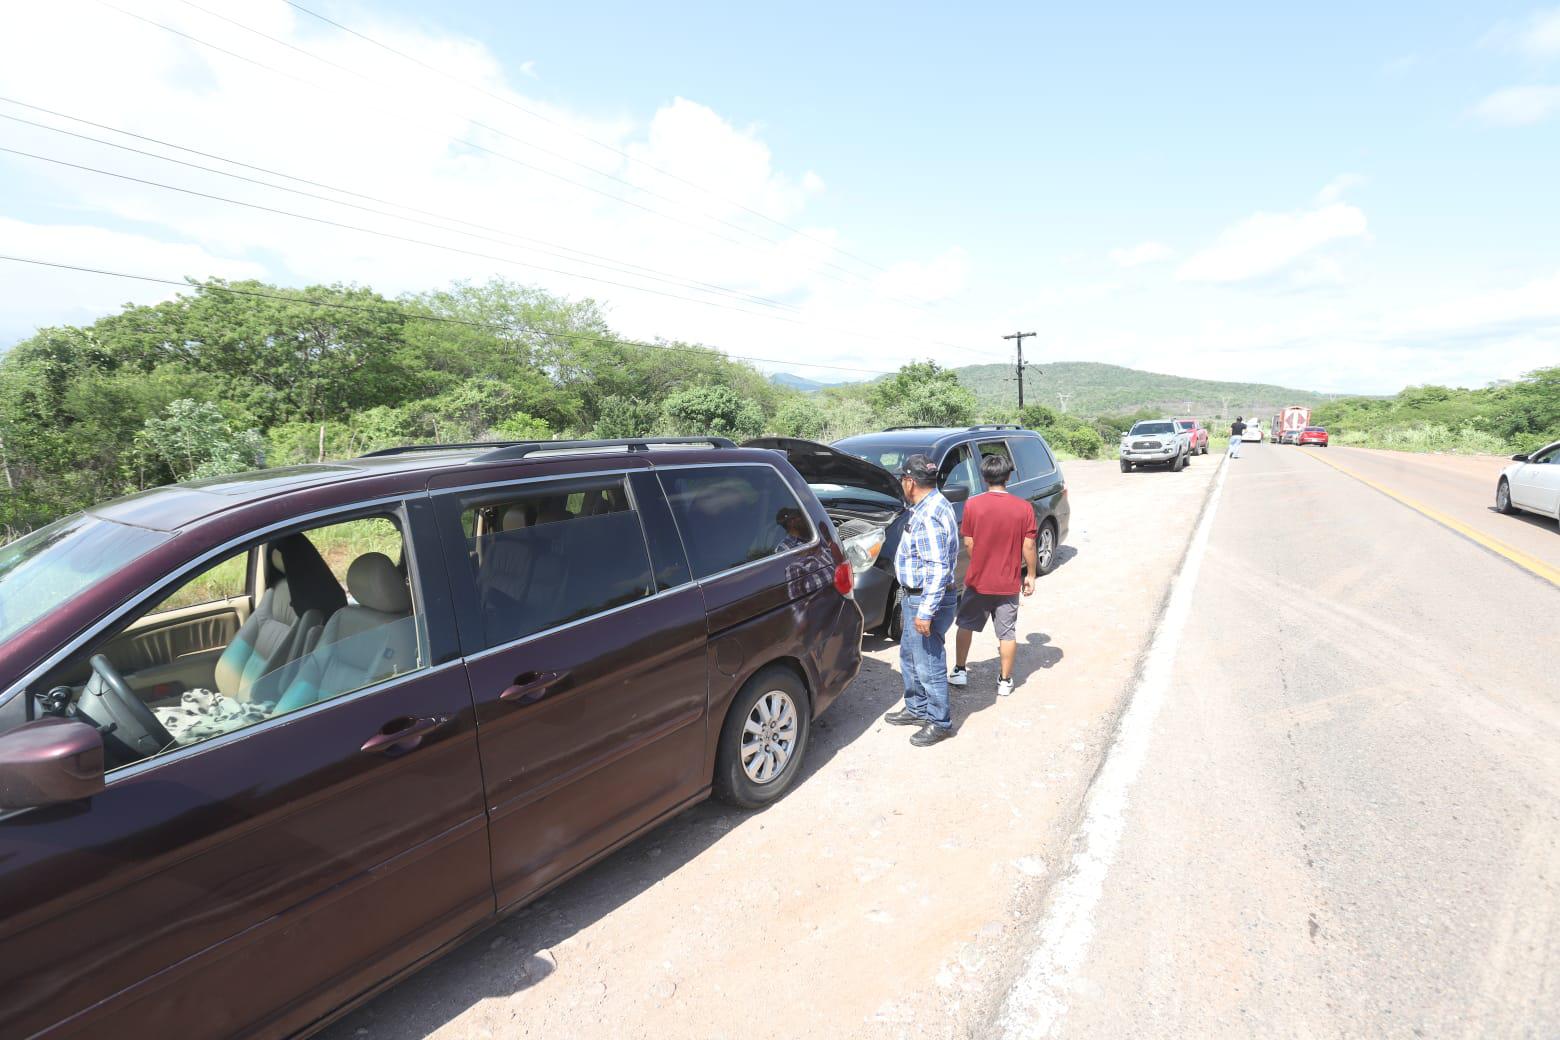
269, 742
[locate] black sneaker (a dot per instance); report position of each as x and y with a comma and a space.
929, 734
904, 718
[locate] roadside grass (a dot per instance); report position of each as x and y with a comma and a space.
1427, 437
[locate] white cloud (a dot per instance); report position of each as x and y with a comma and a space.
528, 68
393, 133
1519, 106
1523, 309
1537, 36
1337, 186
36, 295
1265, 244
1142, 253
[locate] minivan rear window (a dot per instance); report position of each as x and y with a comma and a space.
732, 515
551, 556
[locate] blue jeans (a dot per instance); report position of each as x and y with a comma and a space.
923, 660
1235, 447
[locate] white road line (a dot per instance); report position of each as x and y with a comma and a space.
1038, 999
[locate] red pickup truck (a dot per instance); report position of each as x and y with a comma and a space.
1196, 435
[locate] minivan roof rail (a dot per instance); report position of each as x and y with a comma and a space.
913, 426
522, 449
408, 449
996, 426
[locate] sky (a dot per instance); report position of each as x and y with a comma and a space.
1329, 196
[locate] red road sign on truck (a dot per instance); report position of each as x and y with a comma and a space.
1292, 420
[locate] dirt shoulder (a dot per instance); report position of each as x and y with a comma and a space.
883, 896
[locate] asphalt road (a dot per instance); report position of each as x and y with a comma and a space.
1346, 819
1461, 487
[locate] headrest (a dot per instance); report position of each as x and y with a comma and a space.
278, 564
514, 519
376, 584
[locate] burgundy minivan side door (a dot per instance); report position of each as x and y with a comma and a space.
585, 646
251, 883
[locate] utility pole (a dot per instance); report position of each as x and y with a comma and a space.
1064, 398
1020, 337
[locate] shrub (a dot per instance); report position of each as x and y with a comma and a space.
799, 418
716, 410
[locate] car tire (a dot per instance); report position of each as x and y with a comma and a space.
1126, 467
894, 623
1047, 533
1179, 464
775, 701
1503, 498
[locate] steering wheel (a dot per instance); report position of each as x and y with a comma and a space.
109, 701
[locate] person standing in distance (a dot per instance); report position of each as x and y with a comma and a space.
1000, 532
924, 563
1237, 434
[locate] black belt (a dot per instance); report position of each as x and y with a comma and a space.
918, 591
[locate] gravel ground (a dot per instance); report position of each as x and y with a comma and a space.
885, 895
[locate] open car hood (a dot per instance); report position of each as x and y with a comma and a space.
821, 464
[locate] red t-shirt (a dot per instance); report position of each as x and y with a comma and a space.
999, 523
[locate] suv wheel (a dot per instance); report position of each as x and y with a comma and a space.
763, 739
1126, 467
1045, 548
1179, 464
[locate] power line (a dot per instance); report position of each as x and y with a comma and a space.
434, 318
464, 141
449, 248
607, 263
583, 136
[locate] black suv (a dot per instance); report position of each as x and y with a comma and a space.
854, 479
329, 719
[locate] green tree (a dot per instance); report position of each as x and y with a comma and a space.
922, 393
621, 417
717, 410
193, 439
800, 417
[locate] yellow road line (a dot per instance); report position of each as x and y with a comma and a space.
1528, 563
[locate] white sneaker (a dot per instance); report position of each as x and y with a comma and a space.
958, 677
1004, 687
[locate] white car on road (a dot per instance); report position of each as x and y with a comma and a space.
1253, 431
1531, 483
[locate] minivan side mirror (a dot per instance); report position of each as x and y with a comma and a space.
956, 492
48, 762
1519, 458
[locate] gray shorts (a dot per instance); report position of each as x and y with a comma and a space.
976, 607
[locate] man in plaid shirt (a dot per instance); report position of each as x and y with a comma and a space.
924, 564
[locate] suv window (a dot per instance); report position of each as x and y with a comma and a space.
958, 469
732, 515
996, 448
1032, 457
554, 554
202, 674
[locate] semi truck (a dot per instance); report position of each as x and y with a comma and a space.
1288, 423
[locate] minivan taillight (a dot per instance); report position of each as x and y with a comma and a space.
843, 579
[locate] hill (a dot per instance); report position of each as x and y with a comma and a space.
1098, 389
802, 383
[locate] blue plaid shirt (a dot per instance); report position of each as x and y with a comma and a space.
928, 551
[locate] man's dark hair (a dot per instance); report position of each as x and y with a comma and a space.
996, 469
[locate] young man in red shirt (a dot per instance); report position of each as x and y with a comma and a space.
999, 531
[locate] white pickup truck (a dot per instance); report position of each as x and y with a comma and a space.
1155, 442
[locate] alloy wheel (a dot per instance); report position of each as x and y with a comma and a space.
1047, 547
769, 737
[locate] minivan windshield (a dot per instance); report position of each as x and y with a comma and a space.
41, 570
1152, 427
